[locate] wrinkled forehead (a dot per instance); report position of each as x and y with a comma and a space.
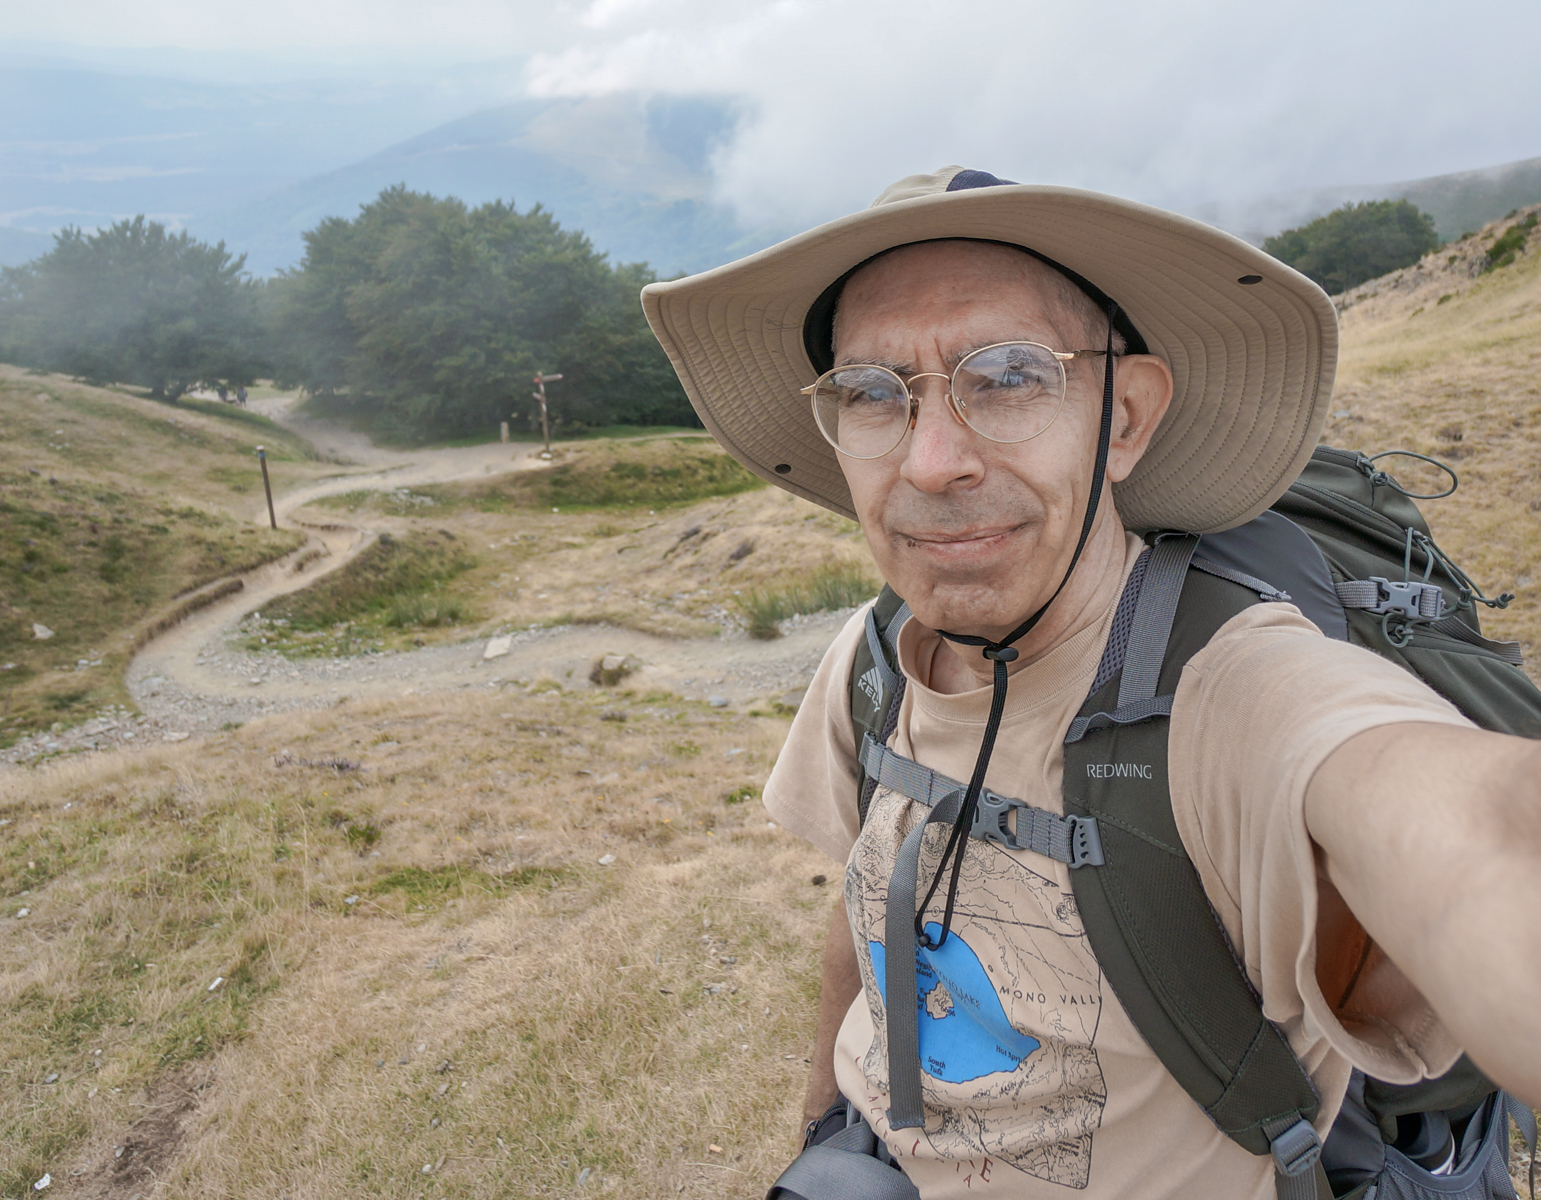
958, 287
1070, 290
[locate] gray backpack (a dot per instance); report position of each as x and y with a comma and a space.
1348, 545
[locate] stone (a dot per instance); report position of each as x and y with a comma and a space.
175, 737
717, 701
41, 633
606, 860
497, 647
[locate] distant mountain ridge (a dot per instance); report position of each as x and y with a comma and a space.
1460, 203
630, 171
257, 158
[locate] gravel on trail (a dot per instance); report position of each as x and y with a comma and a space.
232, 685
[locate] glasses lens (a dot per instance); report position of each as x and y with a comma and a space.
1010, 393
863, 411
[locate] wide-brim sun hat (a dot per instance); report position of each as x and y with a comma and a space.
1252, 343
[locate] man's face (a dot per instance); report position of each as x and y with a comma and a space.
974, 534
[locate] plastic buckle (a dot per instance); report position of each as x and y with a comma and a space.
1404, 598
990, 819
1085, 842
1296, 1149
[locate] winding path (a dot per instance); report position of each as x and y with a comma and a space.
195, 678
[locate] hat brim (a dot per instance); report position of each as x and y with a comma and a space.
1252, 363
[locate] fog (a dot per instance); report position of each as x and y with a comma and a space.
1188, 103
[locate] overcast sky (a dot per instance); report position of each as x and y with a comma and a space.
1171, 101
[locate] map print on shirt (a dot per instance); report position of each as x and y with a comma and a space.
1009, 1006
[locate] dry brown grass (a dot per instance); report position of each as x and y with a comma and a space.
674, 572
572, 1000
1459, 380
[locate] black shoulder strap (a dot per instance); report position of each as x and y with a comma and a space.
876, 684
1144, 909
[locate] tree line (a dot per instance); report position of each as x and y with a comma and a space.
421, 315
1356, 243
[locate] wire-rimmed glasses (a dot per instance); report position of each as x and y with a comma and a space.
1007, 392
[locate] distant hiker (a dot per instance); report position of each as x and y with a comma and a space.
224, 394
1148, 875
240, 395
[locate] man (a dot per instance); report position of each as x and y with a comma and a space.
934, 366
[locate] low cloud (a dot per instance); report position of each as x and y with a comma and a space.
1192, 102
1182, 103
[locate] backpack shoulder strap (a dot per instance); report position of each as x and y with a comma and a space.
876, 684
1144, 909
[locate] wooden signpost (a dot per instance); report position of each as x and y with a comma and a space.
545, 426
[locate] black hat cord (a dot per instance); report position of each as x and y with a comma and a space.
1001, 653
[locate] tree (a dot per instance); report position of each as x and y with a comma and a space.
1357, 242
133, 304
431, 318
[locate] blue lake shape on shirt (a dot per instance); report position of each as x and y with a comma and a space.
972, 1037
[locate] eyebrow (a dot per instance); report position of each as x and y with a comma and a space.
905, 370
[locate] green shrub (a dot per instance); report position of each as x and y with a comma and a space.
831, 587
1510, 246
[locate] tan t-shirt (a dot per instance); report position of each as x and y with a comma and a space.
1044, 1088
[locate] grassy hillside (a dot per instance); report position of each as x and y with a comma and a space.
1444, 358
458, 946
111, 507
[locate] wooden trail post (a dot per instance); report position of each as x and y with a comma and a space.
262, 457
545, 425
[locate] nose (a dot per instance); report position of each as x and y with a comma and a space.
940, 451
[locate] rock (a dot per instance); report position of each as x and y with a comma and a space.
22, 912
350, 900
610, 669
175, 737
818, 881
497, 647
717, 701
606, 860
53, 1078
41, 633
583, 1175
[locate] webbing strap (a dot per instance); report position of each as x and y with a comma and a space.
1124, 714
1412, 599
906, 1105
1264, 589
1297, 1156
881, 644
1071, 840
1153, 615
830, 1172
1454, 627
1422, 603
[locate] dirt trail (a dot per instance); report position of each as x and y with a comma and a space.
197, 676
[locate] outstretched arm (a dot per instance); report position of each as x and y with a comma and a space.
1447, 880
840, 986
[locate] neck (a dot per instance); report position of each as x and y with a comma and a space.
1091, 588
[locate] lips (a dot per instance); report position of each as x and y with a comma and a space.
955, 546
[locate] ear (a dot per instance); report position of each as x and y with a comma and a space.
1142, 390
